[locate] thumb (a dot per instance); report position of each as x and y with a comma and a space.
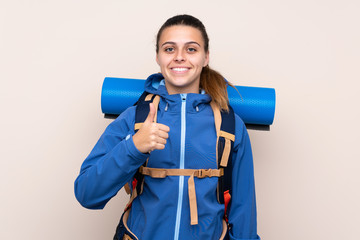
151, 116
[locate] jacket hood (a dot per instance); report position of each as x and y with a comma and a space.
155, 84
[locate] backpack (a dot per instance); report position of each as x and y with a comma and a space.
225, 128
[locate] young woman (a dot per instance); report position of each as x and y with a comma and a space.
184, 136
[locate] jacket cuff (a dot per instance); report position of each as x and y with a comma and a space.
134, 152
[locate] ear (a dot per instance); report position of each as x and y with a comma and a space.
206, 62
157, 59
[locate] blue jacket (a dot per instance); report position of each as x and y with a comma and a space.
162, 210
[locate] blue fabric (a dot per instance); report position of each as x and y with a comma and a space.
115, 159
255, 105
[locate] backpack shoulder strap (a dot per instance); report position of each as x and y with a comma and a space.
141, 113
225, 130
143, 108
226, 144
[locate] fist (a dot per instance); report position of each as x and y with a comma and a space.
151, 135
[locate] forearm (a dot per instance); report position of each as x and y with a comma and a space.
103, 174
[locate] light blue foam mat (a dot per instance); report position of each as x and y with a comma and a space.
255, 105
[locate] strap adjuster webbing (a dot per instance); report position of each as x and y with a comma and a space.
162, 172
199, 173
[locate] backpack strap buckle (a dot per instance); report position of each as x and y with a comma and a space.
203, 173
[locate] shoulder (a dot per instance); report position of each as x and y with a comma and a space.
124, 123
239, 124
240, 132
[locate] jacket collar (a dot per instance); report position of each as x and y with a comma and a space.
155, 84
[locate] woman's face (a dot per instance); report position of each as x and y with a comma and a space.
181, 57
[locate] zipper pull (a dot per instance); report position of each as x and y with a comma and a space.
183, 96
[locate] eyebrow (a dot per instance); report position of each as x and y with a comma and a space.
187, 43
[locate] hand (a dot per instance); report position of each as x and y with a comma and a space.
151, 135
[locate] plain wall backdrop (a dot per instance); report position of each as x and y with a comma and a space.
54, 56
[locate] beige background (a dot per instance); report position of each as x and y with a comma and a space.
54, 56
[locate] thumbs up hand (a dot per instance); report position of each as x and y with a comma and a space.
151, 135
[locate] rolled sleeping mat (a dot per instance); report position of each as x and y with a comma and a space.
255, 105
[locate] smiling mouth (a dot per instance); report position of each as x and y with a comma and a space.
180, 70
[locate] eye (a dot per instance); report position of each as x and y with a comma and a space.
169, 49
191, 49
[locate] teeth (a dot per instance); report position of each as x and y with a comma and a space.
180, 69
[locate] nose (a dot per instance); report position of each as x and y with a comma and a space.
179, 57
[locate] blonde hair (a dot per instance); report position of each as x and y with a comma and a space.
215, 85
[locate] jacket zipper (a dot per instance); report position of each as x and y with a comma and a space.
182, 165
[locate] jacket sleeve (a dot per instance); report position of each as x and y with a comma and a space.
112, 162
242, 210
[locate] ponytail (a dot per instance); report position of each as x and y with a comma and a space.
215, 85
